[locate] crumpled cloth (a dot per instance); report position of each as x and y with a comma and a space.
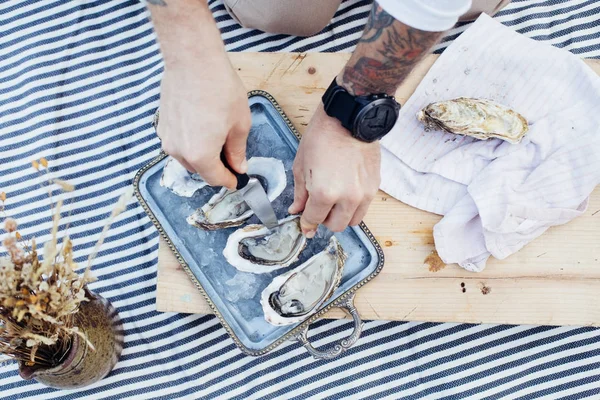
495, 196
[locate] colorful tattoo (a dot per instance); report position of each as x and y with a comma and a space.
377, 22
385, 55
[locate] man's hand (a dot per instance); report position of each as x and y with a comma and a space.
203, 104
202, 109
336, 176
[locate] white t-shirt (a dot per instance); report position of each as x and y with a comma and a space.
426, 15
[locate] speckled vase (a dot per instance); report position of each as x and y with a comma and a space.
82, 366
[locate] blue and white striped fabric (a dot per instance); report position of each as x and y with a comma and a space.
79, 81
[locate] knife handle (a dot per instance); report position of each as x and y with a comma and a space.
242, 179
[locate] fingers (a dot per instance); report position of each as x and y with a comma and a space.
209, 167
317, 209
207, 164
300, 192
185, 164
347, 210
343, 211
212, 170
235, 148
360, 213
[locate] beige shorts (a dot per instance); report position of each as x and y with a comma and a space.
307, 17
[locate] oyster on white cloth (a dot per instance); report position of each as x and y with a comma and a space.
176, 178
257, 249
292, 297
478, 118
227, 208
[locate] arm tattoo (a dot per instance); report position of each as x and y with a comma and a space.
377, 22
385, 55
157, 2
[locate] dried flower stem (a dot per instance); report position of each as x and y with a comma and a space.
118, 209
50, 251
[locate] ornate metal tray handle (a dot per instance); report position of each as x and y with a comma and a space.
346, 304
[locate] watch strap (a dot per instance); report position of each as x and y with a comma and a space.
340, 104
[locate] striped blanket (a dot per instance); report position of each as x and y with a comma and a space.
79, 82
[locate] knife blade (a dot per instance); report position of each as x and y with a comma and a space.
256, 198
254, 195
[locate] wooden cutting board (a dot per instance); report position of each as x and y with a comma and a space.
555, 280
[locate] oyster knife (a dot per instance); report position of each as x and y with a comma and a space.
254, 195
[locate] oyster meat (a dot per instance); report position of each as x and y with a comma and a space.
257, 249
292, 297
478, 118
227, 208
176, 178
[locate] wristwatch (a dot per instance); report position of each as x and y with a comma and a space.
368, 118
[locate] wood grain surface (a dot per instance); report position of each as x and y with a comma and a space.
555, 280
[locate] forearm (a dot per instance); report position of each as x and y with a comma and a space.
386, 53
186, 32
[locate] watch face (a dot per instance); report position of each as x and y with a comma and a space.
376, 119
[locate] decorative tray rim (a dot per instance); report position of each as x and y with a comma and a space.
298, 329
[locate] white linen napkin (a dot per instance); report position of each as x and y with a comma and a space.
495, 196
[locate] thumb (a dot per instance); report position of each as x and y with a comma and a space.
235, 150
300, 197
300, 191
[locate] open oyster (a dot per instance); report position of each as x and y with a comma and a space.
228, 208
176, 178
479, 118
295, 295
257, 249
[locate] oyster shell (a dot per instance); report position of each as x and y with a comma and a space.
292, 297
176, 178
479, 118
257, 249
227, 208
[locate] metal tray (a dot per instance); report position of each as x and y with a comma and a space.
233, 295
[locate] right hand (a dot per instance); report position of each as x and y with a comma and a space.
204, 109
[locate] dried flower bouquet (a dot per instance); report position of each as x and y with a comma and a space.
39, 295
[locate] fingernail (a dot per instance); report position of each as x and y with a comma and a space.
291, 209
310, 234
244, 166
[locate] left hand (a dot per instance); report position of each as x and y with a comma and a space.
336, 176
